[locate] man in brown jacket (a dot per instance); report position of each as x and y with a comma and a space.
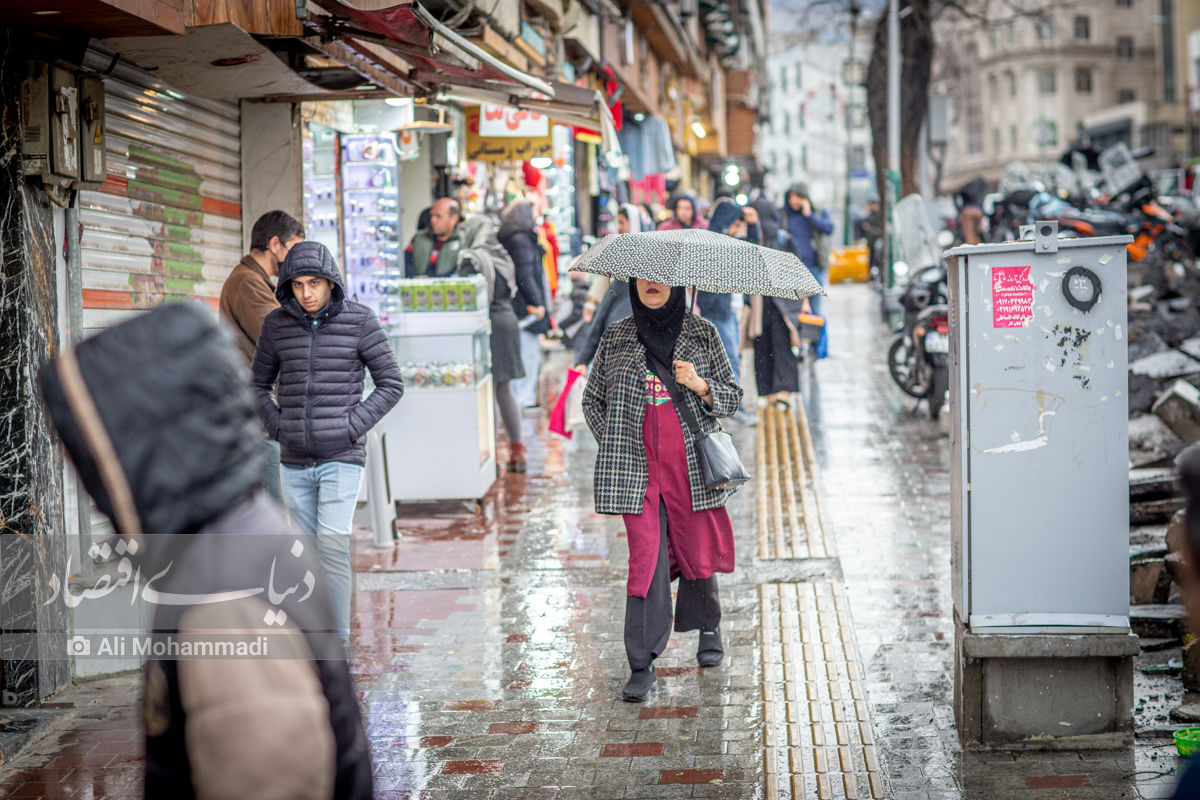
248, 296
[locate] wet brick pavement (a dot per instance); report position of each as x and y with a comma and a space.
490, 659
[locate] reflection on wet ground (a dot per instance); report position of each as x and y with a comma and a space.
489, 655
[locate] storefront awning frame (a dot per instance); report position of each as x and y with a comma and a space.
349, 23
594, 116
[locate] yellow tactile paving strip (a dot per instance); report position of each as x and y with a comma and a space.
818, 725
819, 742
789, 511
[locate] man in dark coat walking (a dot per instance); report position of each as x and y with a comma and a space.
809, 227
316, 344
158, 418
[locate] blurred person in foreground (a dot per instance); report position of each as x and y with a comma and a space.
158, 417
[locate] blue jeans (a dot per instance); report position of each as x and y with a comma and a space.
814, 302
271, 456
321, 501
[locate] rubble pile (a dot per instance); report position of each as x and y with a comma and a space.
1164, 417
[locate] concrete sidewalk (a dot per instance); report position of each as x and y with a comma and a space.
489, 652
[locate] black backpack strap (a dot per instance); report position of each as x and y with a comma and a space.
667, 376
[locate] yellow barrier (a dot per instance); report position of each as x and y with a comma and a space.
850, 264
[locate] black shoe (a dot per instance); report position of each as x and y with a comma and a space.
710, 652
639, 685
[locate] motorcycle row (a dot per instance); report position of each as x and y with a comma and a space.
1088, 193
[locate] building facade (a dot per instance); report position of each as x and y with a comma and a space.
817, 128
1022, 88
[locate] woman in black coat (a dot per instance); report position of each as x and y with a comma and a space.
776, 371
519, 238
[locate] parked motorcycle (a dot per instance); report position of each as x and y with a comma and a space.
918, 358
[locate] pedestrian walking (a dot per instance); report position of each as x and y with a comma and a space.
771, 322
810, 229
684, 214
647, 471
248, 295
316, 344
630, 219
480, 244
741, 223
519, 236
158, 419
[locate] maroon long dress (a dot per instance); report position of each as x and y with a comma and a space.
700, 542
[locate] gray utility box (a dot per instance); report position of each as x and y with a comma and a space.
1040, 492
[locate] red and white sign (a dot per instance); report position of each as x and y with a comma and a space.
496, 120
1012, 297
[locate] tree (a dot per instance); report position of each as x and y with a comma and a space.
916, 65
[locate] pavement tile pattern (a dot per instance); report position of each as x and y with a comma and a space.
489, 656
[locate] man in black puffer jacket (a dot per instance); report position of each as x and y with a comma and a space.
317, 343
158, 418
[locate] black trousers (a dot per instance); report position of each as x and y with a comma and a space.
648, 619
775, 367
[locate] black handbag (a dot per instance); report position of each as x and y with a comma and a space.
720, 465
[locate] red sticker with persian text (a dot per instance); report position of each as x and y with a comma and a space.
1012, 297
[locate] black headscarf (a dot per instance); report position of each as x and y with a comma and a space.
658, 328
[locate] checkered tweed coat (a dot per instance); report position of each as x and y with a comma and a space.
614, 403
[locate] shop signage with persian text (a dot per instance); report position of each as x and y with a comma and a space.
504, 148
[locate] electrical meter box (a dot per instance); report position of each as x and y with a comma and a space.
62, 126
92, 162
1040, 487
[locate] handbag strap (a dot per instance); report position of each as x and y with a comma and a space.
681, 405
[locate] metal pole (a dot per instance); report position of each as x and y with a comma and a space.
893, 118
893, 97
850, 84
378, 496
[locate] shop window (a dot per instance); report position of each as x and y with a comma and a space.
1125, 48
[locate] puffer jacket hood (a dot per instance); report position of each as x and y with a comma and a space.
158, 417
309, 258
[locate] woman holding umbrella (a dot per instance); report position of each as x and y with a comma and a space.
647, 471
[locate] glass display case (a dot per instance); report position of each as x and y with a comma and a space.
439, 442
321, 188
371, 220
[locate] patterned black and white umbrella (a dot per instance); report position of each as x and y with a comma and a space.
701, 259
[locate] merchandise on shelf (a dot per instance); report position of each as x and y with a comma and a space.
371, 221
419, 295
438, 375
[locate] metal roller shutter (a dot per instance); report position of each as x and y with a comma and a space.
166, 225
